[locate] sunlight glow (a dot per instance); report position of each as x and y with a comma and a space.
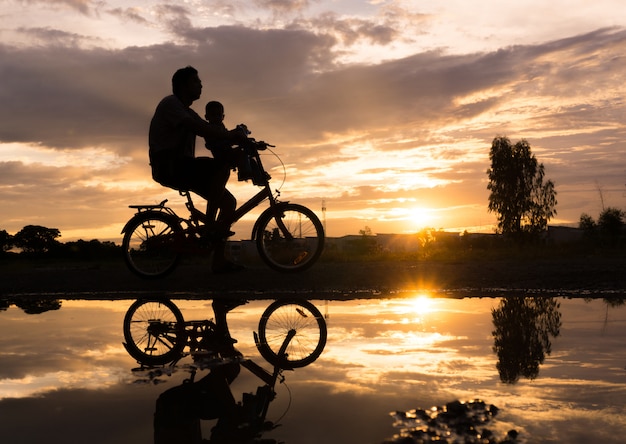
417, 306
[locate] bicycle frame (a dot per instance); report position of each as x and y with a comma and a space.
197, 217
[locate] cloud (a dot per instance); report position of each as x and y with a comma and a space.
53, 37
82, 6
430, 110
350, 30
76, 97
282, 6
132, 14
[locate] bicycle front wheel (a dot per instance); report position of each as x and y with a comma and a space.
289, 238
150, 244
154, 331
304, 321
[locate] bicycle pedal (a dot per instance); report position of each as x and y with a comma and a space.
300, 257
269, 425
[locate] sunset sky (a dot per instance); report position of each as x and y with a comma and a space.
383, 109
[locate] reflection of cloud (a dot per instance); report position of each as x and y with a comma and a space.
78, 416
38, 384
34, 347
343, 398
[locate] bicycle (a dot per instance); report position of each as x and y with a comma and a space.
289, 237
156, 333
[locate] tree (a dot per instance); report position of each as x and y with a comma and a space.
523, 201
607, 230
36, 239
586, 223
6, 241
366, 243
610, 223
588, 227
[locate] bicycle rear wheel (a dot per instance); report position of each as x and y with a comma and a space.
289, 238
154, 331
299, 316
150, 244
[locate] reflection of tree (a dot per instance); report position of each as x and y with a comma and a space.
523, 326
31, 306
4, 304
38, 306
613, 302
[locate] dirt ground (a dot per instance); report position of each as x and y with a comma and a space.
577, 276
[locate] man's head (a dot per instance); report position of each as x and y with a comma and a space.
186, 84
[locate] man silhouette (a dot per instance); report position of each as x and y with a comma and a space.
172, 140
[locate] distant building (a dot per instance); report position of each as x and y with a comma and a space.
561, 234
409, 243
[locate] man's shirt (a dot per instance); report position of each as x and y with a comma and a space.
167, 130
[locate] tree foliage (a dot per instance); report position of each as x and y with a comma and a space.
608, 230
586, 223
523, 200
611, 221
36, 239
6, 241
366, 243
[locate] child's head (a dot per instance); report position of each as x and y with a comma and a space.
214, 112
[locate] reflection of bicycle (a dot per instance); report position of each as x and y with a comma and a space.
156, 333
292, 333
289, 237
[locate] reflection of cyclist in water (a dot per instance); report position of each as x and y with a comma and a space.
180, 409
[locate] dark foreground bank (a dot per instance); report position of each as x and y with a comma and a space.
340, 280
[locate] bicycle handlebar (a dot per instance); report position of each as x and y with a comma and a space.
259, 145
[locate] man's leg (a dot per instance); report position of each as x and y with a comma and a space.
221, 307
210, 178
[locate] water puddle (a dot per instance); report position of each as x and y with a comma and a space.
553, 368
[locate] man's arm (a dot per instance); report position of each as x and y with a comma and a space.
204, 129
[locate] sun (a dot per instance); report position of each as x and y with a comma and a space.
419, 217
